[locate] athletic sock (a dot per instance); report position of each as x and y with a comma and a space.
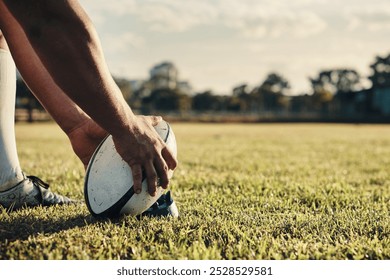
10, 171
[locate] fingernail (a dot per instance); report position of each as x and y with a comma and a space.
137, 191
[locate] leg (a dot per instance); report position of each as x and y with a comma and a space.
10, 171
16, 190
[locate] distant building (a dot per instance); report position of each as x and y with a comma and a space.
163, 78
184, 87
164, 75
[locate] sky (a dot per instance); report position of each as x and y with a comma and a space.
219, 44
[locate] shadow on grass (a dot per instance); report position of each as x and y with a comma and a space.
21, 226
24, 226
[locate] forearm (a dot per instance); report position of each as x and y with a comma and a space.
68, 47
64, 111
65, 41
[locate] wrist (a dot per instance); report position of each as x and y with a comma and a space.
126, 121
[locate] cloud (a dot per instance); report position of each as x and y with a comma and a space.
374, 18
176, 15
161, 15
102, 9
280, 24
119, 43
256, 19
251, 18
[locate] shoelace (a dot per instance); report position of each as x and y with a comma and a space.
45, 198
38, 182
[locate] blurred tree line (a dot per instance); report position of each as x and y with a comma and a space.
334, 93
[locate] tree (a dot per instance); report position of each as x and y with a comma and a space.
301, 103
336, 81
333, 82
241, 98
380, 77
271, 94
205, 101
166, 100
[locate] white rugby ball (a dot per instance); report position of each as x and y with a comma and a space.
108, 185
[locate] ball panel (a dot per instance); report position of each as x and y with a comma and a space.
116, 209
170, 141
108, 187
109, 177
141, 202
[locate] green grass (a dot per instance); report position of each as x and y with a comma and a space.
271, 191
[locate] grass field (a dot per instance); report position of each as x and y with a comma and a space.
256, 191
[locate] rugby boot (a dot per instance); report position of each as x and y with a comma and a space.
31, 192
163, 207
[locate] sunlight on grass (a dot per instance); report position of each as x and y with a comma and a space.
256, 191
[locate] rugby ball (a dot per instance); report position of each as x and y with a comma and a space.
108, 185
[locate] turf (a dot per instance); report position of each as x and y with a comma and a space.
255, 191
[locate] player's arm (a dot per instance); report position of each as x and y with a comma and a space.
66, 42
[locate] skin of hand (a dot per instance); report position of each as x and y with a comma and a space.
148, 154
87, 136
